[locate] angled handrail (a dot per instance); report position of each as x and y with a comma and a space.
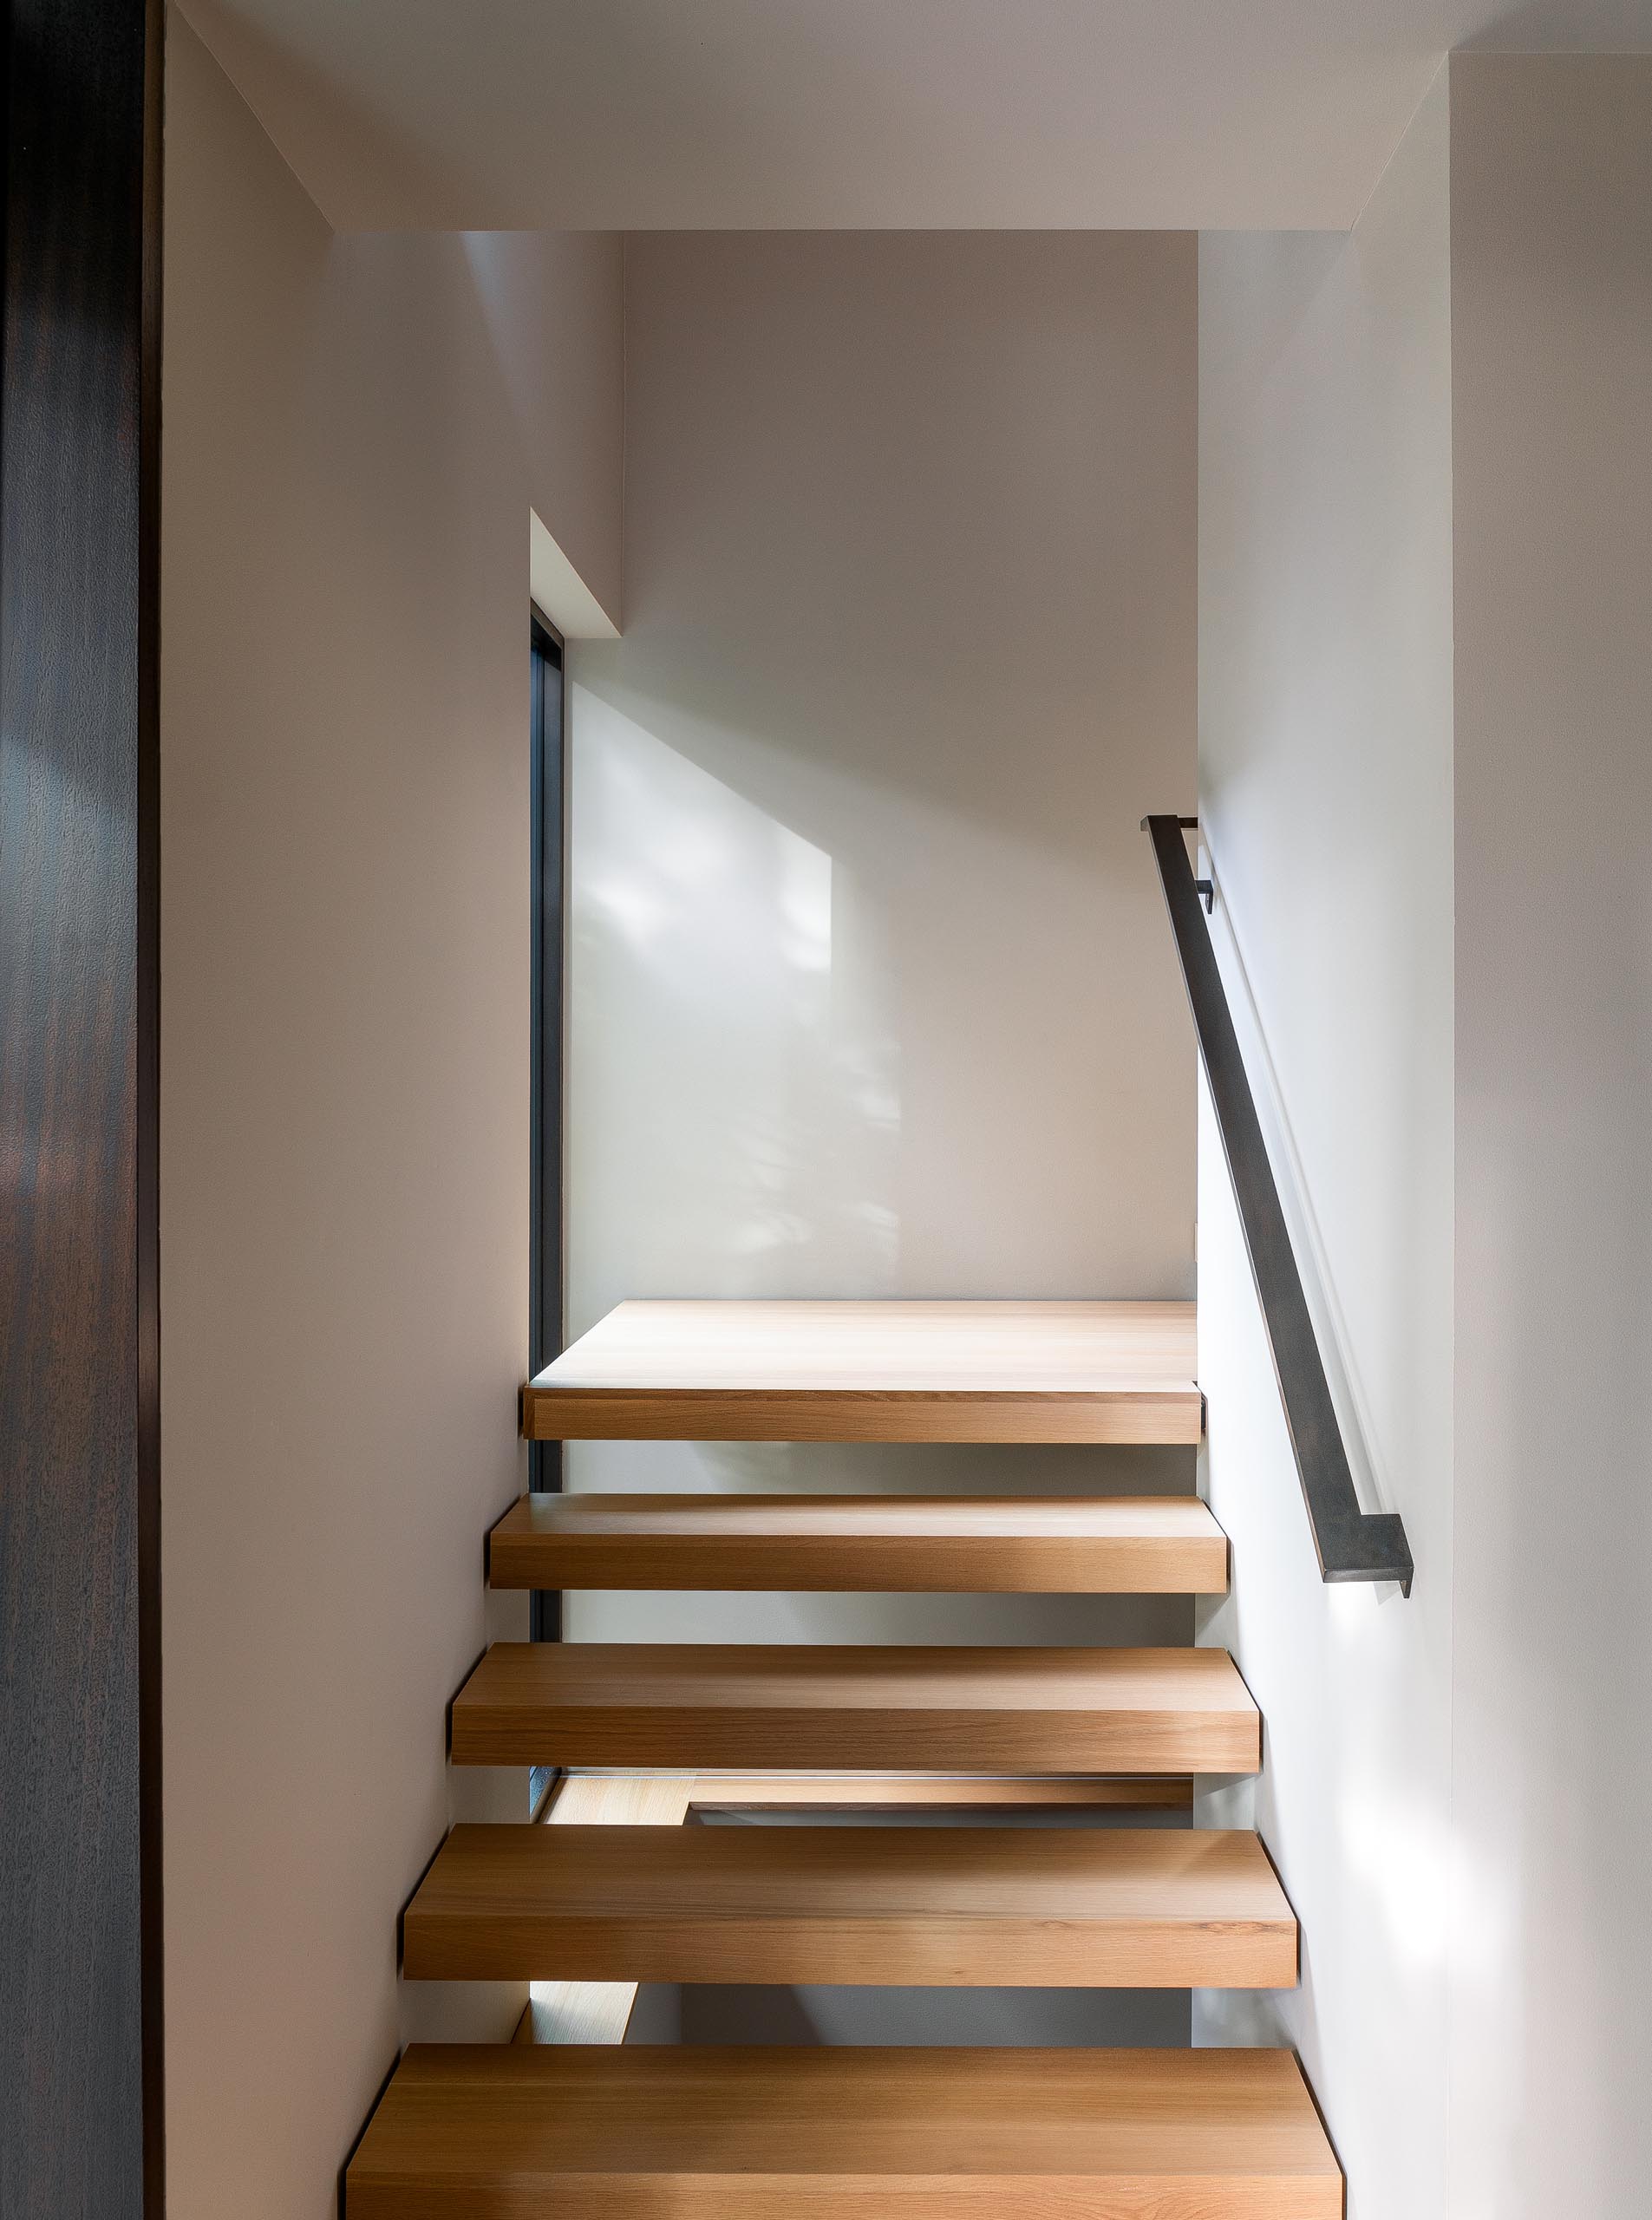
1352, 1544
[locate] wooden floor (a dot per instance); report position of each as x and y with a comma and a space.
875, 1371
1162, 1546
908, 1906
657, 2132
995, 1710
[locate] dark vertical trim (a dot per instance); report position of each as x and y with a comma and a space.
81, 2120
546, 1290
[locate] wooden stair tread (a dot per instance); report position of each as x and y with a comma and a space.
725, 1371
916, 1906
474, 2133
715, 1791
988, 1710
1154, 1544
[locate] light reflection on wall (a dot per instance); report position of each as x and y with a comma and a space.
736, 1130
728, 968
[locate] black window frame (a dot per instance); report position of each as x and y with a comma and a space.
547, 1253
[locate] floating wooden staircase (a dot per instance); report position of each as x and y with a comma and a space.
578, 2127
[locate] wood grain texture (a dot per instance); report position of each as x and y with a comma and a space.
886, 1545
475, 2134
913, 1792
875, 1371
1063, 1908
81, 2049
620, 1799
572, 2010
859, 1708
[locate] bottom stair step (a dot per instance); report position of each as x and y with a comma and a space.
619, 2133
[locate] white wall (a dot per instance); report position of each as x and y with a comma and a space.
1325, 776
1458, 1790
872, 989
871, 992
344, 1076
1551, 250
552, 305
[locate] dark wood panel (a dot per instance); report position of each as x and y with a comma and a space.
80, 2049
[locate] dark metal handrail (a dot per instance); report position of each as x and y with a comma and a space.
1352, 1544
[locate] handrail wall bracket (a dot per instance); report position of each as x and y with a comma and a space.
1351, 1544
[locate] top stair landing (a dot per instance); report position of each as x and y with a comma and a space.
712, 1371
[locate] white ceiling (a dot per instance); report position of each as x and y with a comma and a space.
655, 114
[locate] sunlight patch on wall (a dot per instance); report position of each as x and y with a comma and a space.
560, 593
727, 969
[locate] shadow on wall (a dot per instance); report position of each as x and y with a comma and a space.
946, 2017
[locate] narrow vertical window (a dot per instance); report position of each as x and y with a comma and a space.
544, 1199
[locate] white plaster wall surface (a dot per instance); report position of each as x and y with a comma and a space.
871, 993
344, 1059
823, 114
552, 305
1326, 675
1551, 249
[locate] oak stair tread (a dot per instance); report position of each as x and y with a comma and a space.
897, 1371
474, 2133
909, 1906
851, 1706
912, 1545
715, 1791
